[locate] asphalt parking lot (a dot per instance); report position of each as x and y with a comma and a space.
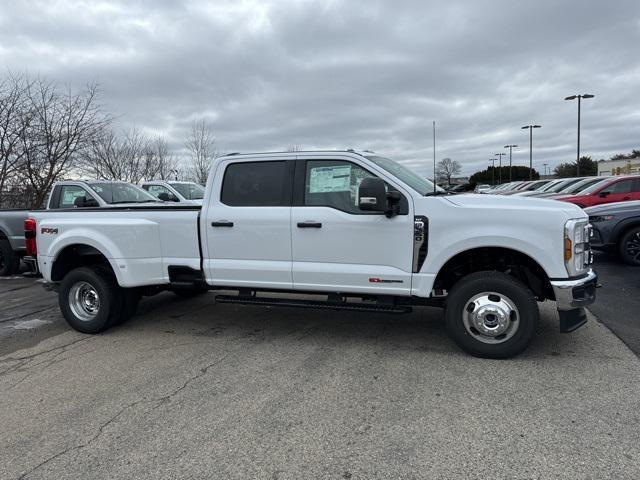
189, 389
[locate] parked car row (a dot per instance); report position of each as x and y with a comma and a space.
612, 203
72, 194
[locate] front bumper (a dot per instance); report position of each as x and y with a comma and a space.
575, 293
572, 295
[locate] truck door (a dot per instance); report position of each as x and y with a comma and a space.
246, 230
336, 246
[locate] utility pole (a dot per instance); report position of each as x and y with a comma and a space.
579, 97
500, 167
531, 127
493, 171
434, 156
510, 147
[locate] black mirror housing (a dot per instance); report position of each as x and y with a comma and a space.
372, 195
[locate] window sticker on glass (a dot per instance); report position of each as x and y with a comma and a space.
330, 179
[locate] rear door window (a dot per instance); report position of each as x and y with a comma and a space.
256, 184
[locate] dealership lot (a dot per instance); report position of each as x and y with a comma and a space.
197, 390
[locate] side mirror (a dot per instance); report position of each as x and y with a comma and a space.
604, 194
372, 195
91, 203
84, 202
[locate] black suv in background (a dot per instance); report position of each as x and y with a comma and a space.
616, 227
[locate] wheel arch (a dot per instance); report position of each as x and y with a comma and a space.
623, 227
78, 255
495, 258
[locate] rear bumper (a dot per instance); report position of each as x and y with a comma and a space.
32, 264
575, 293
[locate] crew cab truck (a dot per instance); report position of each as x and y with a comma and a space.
362, 231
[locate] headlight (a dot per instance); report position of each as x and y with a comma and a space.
577, 249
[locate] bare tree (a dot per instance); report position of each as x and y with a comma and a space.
12, 104
447, 168
294, 148
55, 127
130, 157
166, 162
201, 146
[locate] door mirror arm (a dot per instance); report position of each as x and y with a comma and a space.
393, 204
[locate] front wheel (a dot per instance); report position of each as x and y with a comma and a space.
491, 315
630, 247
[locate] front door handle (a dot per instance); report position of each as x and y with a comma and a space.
222, 223
309, 225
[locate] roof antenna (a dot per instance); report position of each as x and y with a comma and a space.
434, 156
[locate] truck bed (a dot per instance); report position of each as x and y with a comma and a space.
140, 243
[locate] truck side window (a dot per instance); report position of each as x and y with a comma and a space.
334, 183
255, 184
69, 195
156, 190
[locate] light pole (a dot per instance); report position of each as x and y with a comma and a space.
579, 97
510, 147
545, 168
175, 173
531, 127
500, 167
493, 171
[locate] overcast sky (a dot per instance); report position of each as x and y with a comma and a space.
350, 74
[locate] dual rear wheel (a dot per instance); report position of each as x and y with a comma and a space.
91, 300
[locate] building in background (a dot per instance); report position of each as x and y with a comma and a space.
625, 166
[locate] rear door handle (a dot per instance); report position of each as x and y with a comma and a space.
222, 223
309, 225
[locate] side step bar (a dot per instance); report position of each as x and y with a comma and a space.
301, 303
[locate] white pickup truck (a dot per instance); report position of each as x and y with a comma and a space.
346, 230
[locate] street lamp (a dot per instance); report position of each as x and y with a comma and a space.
500, 167
493, 171
579, 97
510, 147
531, 127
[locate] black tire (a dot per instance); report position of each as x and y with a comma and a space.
510, 291
9, 260
629, 247
129, 299
80, 283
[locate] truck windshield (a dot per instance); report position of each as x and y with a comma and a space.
190, 191
402, 173
119, 192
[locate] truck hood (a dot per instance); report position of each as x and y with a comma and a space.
514, 202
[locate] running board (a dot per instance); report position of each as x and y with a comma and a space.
286, 302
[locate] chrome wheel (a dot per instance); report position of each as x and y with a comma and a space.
84, 301
491, 317
632, 247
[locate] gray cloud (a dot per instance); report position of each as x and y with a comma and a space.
339, 74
